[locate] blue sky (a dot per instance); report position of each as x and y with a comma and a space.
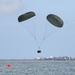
17, 43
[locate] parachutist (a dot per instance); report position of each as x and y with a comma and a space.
39, 51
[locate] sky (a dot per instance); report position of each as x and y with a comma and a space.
22, 40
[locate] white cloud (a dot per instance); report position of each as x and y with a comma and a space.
9, 6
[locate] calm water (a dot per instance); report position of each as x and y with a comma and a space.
37, 68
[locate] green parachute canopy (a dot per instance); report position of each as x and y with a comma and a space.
26, 16
55, 20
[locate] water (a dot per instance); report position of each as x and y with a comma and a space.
37, 68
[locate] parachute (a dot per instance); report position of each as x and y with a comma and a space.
26, 16
29, 27
55, 23
55, 20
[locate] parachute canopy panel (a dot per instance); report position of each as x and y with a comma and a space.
26, 16
55, 20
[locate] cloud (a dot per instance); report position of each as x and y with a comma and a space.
9, 6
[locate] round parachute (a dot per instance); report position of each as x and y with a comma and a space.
55, 20
26, 16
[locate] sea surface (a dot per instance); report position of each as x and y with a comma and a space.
24, 67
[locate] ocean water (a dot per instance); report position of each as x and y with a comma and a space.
37, 68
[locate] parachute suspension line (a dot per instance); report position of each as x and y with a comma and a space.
37, 44
35, 31
45, 33
31, 34
32, 29
44, 36
49, 30
41, 43
35, 35
50, 34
